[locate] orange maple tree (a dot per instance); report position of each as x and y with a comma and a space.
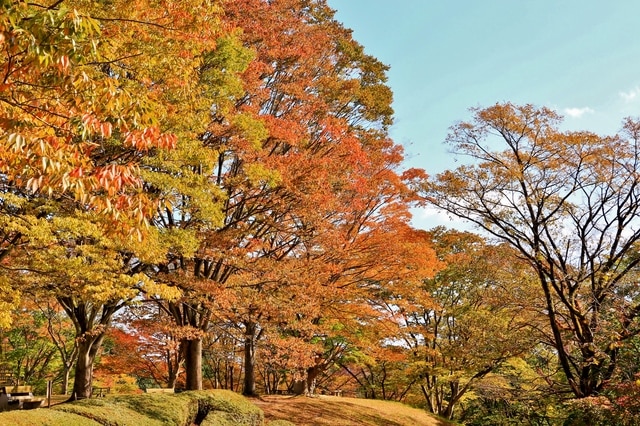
307, 135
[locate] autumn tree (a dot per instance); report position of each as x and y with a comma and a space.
61, 333
472, 316
326, 107
568, 203
313, 106
88, 271
61, 113
30, 353
189, 38
92, 96
151, 346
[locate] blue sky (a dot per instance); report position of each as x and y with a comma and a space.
581, 58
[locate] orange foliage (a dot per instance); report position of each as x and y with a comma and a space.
61, 116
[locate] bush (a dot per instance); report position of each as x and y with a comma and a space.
590, 411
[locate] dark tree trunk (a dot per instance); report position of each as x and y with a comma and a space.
91, 322
193, 363
196, 317
88, 348
172, 379
229, 376
249, 388
300, 387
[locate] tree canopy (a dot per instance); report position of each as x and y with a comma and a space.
568, 203
205, 194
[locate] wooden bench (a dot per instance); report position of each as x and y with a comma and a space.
160, 390
19, 389
20, 400
20, 396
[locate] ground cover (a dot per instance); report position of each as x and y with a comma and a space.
222, 408
210, 408
340, 411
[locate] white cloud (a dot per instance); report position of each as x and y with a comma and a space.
631, 94
578, 112
429, 217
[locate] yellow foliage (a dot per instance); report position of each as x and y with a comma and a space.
252, 129
9, 300
258, 174
153, 288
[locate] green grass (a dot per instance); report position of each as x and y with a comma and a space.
108, 412
164, 409
44, 417
228, 408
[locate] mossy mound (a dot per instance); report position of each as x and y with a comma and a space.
44, 417
209, 408
227, 408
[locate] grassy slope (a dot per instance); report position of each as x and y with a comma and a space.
339, 411
225, 408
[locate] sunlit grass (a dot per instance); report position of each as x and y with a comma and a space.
213, 408
339, 411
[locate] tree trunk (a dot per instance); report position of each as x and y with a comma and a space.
455, 396
174, 361
66, 372
312, 375
307, 385
193, 363
88, 348
194, 316
249, 388
300, 387
91, 322
172, 379
229, 382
